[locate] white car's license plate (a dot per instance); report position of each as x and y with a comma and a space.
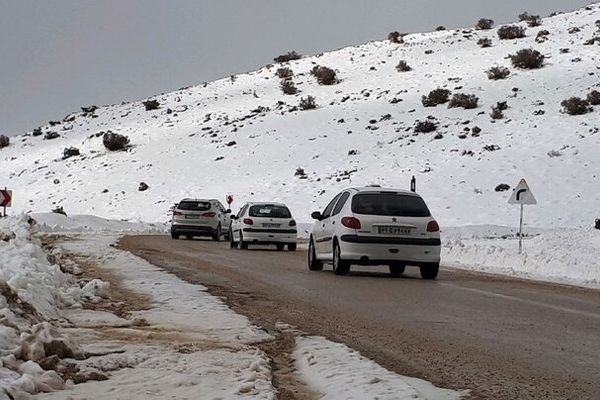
271, 225
192, 217
393, 230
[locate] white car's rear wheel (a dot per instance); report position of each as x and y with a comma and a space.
340, 267
243, 246
218, 234
291, 246
397, 269
232, 243
430, 271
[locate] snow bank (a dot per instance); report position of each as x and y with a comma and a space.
50, 222
32, 292
562, 256
340, 373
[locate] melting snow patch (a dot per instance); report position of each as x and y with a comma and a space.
338, 372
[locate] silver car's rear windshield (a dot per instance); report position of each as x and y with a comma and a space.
269, 211
194, 205
389, 204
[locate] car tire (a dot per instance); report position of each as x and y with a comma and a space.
217, 235
340, 267
243, 245
292, 246
189, 237
232, 243
280, 246
174, 236
397, 269
313, 263
430, 272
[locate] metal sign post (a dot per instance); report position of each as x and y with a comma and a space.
522, 195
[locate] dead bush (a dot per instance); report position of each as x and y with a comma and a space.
575, 106
113, 141
307, 103
466, 101
324, 75
290, 56
508, 32
395, 37
70, 152
285, 73
51, 135
288, 87
484, 24
436, 97
594, 98
403, 66
531, 20
4, 141
542, 36
484, 42
497, 72
528, 59
151, 104
426, 126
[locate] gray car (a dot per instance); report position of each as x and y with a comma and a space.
200, 217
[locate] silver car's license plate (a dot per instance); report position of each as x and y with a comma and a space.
271, 225
393, 230
192, 217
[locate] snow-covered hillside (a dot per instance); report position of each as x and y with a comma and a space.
240, 135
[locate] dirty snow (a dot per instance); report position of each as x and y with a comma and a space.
340, 373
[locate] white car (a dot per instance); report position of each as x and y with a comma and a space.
265, 224
200, 217
375, 226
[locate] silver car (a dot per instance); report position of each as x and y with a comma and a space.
200, 217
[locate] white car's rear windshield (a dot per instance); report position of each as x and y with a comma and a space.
269, 211
194, 205
389, 204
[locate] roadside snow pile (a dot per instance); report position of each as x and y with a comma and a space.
562, 256
340, 373
49, 222
32, 292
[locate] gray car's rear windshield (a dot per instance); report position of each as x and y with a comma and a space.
269, 211
389, 204
194, 205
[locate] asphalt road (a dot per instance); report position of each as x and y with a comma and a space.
501, 338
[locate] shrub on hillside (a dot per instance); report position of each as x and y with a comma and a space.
496, 73
440, 28
436, 97
70, 152
151, 104
466, 101
484, 24
403, 66
324, 75
497, 110
4, 141
288, 87
575, 106
484, 42
425, 126
508, 32
290, 56
542, 36
527, 59
531, 20
51, 135
307, 103
594, 98
395, 37
113, 141
37, 132
285, 73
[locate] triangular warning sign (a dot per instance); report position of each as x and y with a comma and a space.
522, 194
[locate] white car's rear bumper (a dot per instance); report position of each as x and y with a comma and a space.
268, 236
375, 250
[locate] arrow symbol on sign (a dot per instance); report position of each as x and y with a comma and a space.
519, 192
